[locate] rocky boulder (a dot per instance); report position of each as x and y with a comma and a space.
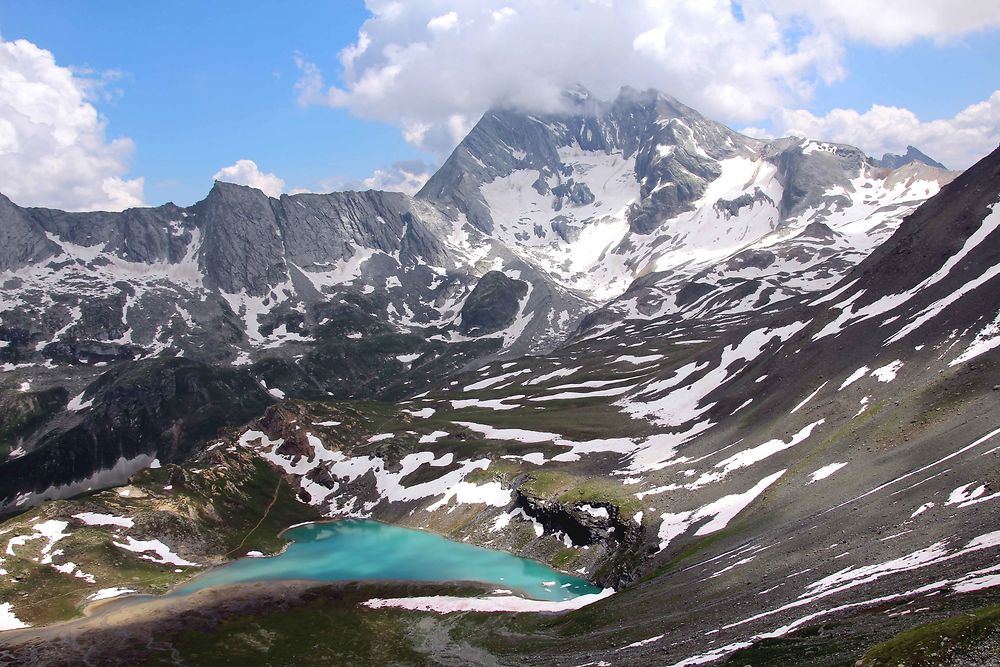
493, 304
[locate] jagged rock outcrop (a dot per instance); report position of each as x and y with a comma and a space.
892, 161
493, 303
22, 240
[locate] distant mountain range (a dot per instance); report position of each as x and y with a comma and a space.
890, 161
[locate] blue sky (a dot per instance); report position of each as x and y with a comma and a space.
932, 80
204, 84
197, 86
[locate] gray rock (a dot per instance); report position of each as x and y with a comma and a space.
242, 247
891, 161
493, 304
636, 124
22, 240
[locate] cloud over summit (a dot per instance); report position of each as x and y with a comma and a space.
432, 68
246, 172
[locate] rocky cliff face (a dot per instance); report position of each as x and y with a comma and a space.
22, 240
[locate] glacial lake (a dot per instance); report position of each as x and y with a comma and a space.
359, 550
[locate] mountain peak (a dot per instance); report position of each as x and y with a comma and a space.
646, 95
578, 94
893, 161
227, 189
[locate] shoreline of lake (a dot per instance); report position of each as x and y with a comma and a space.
132, 612
139, 608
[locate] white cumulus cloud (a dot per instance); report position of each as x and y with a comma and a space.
406, 68
444, 22
404, 176
433, 67
53, 146
895, 22
957, 142
246, 172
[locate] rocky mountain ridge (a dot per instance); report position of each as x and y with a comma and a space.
531, 224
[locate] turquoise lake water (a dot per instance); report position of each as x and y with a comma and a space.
357, 550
